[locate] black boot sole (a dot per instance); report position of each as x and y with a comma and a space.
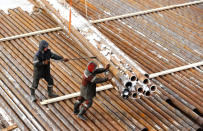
82, 117
53, 96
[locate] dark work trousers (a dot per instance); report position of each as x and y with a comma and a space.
48, 79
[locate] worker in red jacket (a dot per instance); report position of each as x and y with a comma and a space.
88, 88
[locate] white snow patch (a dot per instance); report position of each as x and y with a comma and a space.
179, 57
108, 13
159, 56
197, 52
6, 116
159, 45
5, 5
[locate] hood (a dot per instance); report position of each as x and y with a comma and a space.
43, 44
91, 66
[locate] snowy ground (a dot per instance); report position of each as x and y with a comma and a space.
11, 4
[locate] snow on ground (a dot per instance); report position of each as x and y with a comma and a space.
11, 4
7, 118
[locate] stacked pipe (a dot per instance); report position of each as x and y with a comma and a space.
133, 86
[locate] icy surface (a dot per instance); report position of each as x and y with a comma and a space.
5, 116
11, 4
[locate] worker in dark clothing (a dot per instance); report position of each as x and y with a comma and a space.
88, 88
42, 68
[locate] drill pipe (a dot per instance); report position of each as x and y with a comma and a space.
131, 76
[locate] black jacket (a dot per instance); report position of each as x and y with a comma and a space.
40, 69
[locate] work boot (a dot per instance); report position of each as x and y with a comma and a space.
81, 113
76, 108
50, 92
32, 96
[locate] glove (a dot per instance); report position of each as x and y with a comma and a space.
107, 67
109, 77
65, 59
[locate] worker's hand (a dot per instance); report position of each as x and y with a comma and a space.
46, 62
109, 77
107, 67
65, 59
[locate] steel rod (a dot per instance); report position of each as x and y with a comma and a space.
146, 11
69, 96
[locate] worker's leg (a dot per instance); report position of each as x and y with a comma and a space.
33, 88
50, 82
87, 104
77, 104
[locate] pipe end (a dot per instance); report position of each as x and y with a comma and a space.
133, 78
146, 81
135, 95
146, 75
147, 93
125, 93
197, 112
153, 88
128, 84
145, 129
140, 90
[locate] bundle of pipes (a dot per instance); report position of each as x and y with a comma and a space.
133, 87
104, 54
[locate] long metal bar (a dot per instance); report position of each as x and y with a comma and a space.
175, 69
69, 96
30, 34
146, 11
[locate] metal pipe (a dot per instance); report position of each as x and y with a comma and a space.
163, 99
30, 34
131, 75
140, 77
175, 69
147, 93
125, 93
133, 91
69, 96
140, 74
146, 12
135, 95
126, 82
186, 110
152, 87
139, 88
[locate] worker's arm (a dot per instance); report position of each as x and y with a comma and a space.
100, 80
57, 57
101, 70
97, 80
